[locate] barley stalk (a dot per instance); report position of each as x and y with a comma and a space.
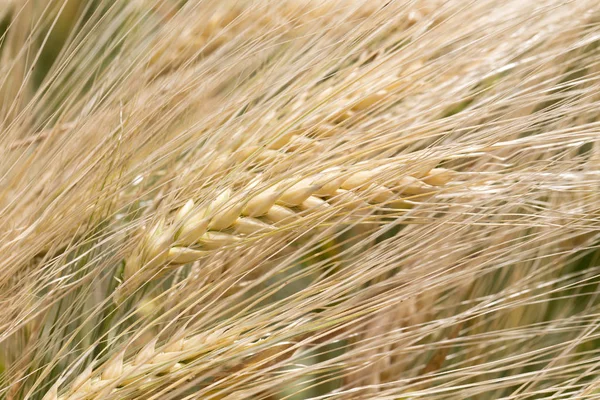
168, 360
230, 220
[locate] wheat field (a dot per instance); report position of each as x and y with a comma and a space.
299, 199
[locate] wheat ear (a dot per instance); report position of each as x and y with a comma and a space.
151, 361
229, 220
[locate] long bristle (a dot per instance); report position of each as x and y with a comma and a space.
288, 199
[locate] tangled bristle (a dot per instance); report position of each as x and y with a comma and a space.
287, 199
